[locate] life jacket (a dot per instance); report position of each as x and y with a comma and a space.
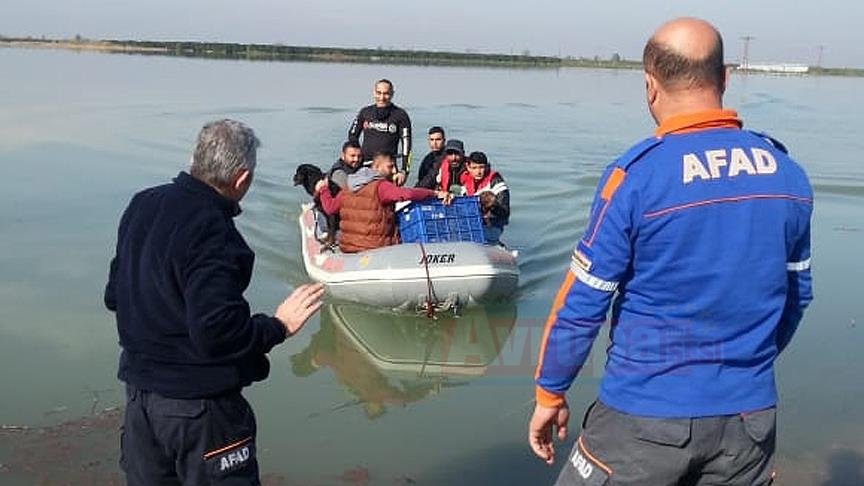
444, 174
365, 222
472, 187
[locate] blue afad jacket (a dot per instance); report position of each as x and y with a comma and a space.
702, 235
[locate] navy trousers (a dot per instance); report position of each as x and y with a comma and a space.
168, 441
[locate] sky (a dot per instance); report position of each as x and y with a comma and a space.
783, 30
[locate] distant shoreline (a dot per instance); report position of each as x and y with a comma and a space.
283, 53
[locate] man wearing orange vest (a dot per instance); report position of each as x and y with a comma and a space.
367, 209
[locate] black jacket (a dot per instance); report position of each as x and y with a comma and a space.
338, 175
176, 285
382, 129
431, 162
432, 179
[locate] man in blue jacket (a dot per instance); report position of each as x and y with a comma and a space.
703, 230
189, 341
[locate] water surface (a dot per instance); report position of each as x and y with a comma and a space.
359, 396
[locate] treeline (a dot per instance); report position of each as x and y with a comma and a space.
277, 52
837, 71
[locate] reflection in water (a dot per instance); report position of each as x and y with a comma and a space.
386, 359
845, 467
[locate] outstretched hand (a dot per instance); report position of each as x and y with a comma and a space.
298, 307
541, 428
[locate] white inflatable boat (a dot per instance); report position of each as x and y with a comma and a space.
408, 275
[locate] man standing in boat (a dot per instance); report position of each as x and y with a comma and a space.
383, 127
704, 231
367, 217
189, 341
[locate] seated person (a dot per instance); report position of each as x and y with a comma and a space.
446, 174
432, 161
348, 163
479, 179
367, 217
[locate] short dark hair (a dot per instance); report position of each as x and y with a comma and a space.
384, 153
478, 158
350, 144
673, 69
385, 81
437, 129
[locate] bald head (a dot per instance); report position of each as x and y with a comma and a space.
686, 54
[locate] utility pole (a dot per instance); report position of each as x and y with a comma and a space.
821, 49
745, 60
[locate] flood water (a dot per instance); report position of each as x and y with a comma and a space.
361, 397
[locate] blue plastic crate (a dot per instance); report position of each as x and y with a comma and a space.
433, 222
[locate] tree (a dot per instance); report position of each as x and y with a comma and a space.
615, 57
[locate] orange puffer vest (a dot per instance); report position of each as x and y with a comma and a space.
365, 223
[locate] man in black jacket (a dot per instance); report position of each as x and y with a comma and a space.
189, 342
446, 172
383, 126
436, 152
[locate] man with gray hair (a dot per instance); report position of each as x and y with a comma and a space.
189, 342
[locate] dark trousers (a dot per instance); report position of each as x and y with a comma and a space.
168, 441
619, 449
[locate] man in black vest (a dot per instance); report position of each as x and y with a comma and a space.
349, 163
189, 341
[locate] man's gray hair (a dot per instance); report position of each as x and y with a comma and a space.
224, 148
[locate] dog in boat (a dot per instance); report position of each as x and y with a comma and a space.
308, 175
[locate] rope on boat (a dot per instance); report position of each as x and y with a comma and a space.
431, 298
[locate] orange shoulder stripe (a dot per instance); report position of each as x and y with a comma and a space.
613, 183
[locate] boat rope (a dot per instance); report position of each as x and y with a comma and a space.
431, 298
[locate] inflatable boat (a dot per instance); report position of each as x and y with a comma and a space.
409, 275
